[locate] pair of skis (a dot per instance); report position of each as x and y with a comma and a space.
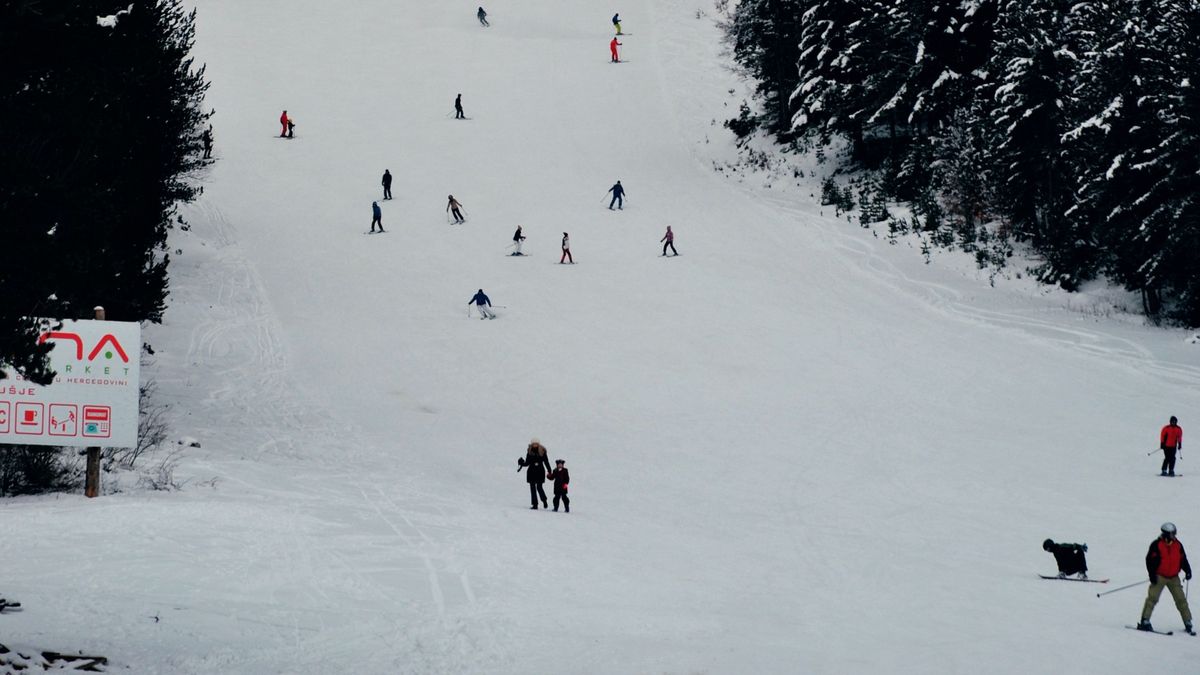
8, 604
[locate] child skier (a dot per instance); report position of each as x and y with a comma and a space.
1070, 558
561, 477
454, 207
517, 239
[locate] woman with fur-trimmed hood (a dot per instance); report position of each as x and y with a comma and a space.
536, 465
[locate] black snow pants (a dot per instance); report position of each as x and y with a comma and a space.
535, 491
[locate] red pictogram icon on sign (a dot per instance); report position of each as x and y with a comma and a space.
31, 419
97, 421
4, 416
62, 420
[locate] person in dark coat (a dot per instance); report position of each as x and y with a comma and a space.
561, 478
517, 239
482, 16
536, 465
458, 113
483, 304
291, 126
618, 198
1170, 441
1164, 561
207, 139
387, 184
455, 208
376, 216
1070, 558
668, 240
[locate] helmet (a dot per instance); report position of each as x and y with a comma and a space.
1168, 528
1047, 544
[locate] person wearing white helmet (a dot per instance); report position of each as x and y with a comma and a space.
1165, 560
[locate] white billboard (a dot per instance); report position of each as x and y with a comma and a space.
94, 397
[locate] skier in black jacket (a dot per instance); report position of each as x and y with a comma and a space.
387, 184
1070, 558
536, 465
561, 478
618, 193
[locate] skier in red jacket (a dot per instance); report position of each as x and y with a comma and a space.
612, 47
283, 122
1164, 561
1170, 439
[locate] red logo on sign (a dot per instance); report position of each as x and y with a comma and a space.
4, 410
97, 421
62, 420
74, 337
30, 419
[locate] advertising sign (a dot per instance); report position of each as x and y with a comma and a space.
94, 397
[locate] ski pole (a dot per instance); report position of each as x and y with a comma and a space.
1143, 581
1152, 452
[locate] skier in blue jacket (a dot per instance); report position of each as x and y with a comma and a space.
483, 304
618, 194
376, 216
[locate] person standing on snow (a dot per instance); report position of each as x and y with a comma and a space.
283, 122
1070, 558
376, 216
207, 140
1170, 440
483, 304
561, 478
482, 16
453, 207
566, 248
1164, 561
612, 47
536, 465
617, 22
517, 239
291, 126
669, 238
387, 184
618, 198
458, 112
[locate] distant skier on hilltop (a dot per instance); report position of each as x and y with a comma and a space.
482, 16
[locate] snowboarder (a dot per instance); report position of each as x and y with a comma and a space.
376, 216
618, 196
207, 139
566, 248
283, 123
1070, 558
454, 207
387, 184
517, 239
458, 112
536, 465
1170, 439
669, 238
482, 15
1165, 559
561, 478
483, 304
612, 47
291, 126
617, 22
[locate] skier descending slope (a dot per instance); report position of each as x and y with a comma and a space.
1165, 559
482, 16
1170, 440
612, 47
617, 23
517, 239
454, 207
618, 196
376, 216
483, 304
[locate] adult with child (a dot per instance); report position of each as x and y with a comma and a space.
536, 465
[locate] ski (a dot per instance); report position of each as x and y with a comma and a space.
1058, 578
1160, 632
5, 604
379, 232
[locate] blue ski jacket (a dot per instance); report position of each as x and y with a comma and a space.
375, 210
480, 299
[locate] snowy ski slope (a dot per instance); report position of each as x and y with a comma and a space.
795, 448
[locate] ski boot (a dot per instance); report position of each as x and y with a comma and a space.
1144, 624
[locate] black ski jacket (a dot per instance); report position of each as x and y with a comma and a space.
560, 477
536, 465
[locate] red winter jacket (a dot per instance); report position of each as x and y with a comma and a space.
1166, 559
1171, 437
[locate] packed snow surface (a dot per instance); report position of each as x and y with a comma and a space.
795, 448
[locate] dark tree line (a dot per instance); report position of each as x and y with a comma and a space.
1070, 125
100, 126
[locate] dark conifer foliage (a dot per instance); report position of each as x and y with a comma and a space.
765, 36
100, 124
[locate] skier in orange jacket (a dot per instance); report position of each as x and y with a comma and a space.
612, 47
1170, 439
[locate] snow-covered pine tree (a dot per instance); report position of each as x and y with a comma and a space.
765, 38
818, 101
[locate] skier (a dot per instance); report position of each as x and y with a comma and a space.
561, 478
453, 207
482, 15
207, 139
387, 184
458, 113
617, 22
1070, 558
483, 304
376, 216
283, 123
612, 47
669, 238
536, 465
1165, 559
291, 126
517, 239
1170, 439
566, 248
618, 198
